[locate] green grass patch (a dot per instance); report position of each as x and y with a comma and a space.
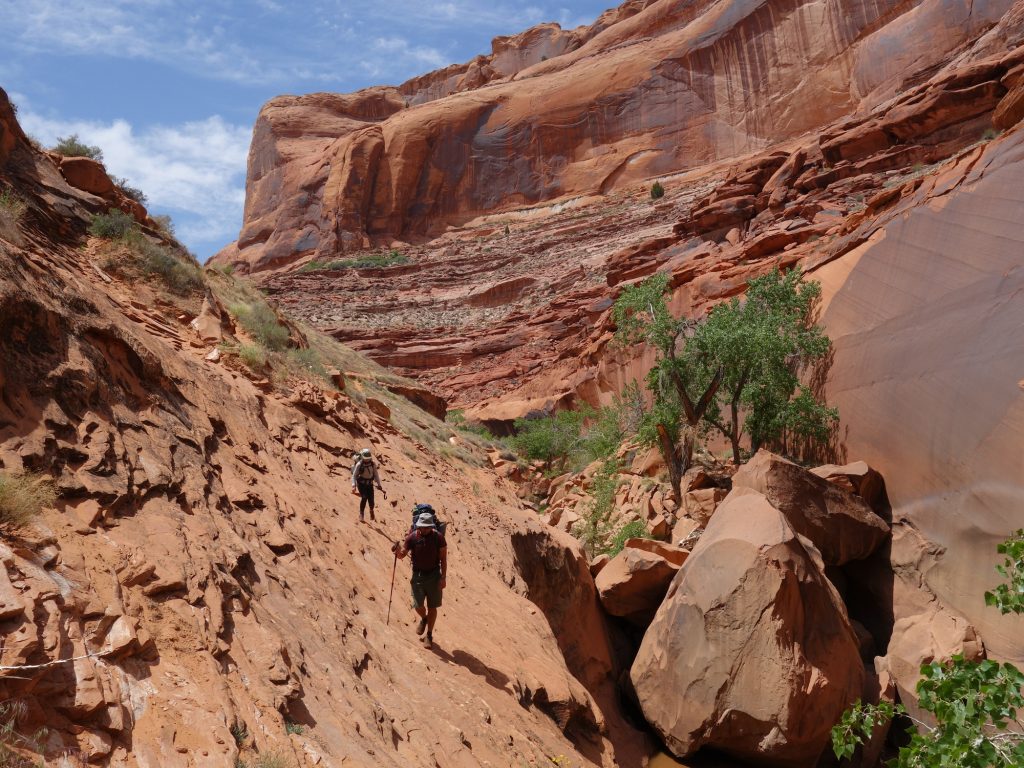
262, 323
633, 530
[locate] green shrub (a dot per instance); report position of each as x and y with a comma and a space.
128, 190
549, 438
261, 322
23, 496
293, 728
593, 531
633, 530
457, 419
657, 191
180, 276
70, 146
573, 438
254, 357
990, 134
387, 259
111, 225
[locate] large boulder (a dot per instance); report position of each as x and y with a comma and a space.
751, 652
633, 584
842, 526
88, 175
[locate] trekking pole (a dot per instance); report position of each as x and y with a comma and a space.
394, 568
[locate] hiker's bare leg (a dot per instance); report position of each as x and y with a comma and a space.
431, 618
422, 612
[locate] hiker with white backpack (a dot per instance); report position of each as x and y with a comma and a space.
364, 477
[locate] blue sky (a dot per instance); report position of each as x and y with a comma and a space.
170, 89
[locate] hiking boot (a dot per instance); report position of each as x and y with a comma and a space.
428, 641
361, 520
373, 516
422, 627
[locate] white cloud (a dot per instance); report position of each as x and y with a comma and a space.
195, 170
266, 41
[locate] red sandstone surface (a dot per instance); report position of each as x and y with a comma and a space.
880, 153
201, 594
203, 548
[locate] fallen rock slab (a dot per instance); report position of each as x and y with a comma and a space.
633, 584
751, 652
842, 526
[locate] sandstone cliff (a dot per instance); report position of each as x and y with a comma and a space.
201, 595
648, 89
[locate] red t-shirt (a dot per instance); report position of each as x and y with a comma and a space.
425, 550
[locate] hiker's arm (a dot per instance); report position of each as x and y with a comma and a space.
355, 468
444, 566
376, 476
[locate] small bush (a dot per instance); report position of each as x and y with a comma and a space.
70, 146
271, 760
457, 419
12, 208
180, 276
254, 357
128, 190
633, 530
594, 530
240, 733
990, 134
23, 497
657, 191
165, 224
260, 321
294, 728
111, 225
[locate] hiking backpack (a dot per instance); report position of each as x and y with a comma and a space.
420, 509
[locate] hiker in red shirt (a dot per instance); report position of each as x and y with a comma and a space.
429, 551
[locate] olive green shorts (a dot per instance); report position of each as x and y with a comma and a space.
426, 585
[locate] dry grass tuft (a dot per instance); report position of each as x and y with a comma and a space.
23, 497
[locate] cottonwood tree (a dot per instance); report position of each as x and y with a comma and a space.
737, 371
762, 343
683, 389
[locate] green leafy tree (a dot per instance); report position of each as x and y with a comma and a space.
975, 704
71, 146
762, 343
683, 388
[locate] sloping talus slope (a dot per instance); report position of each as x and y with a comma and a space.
554, 114
202, 582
